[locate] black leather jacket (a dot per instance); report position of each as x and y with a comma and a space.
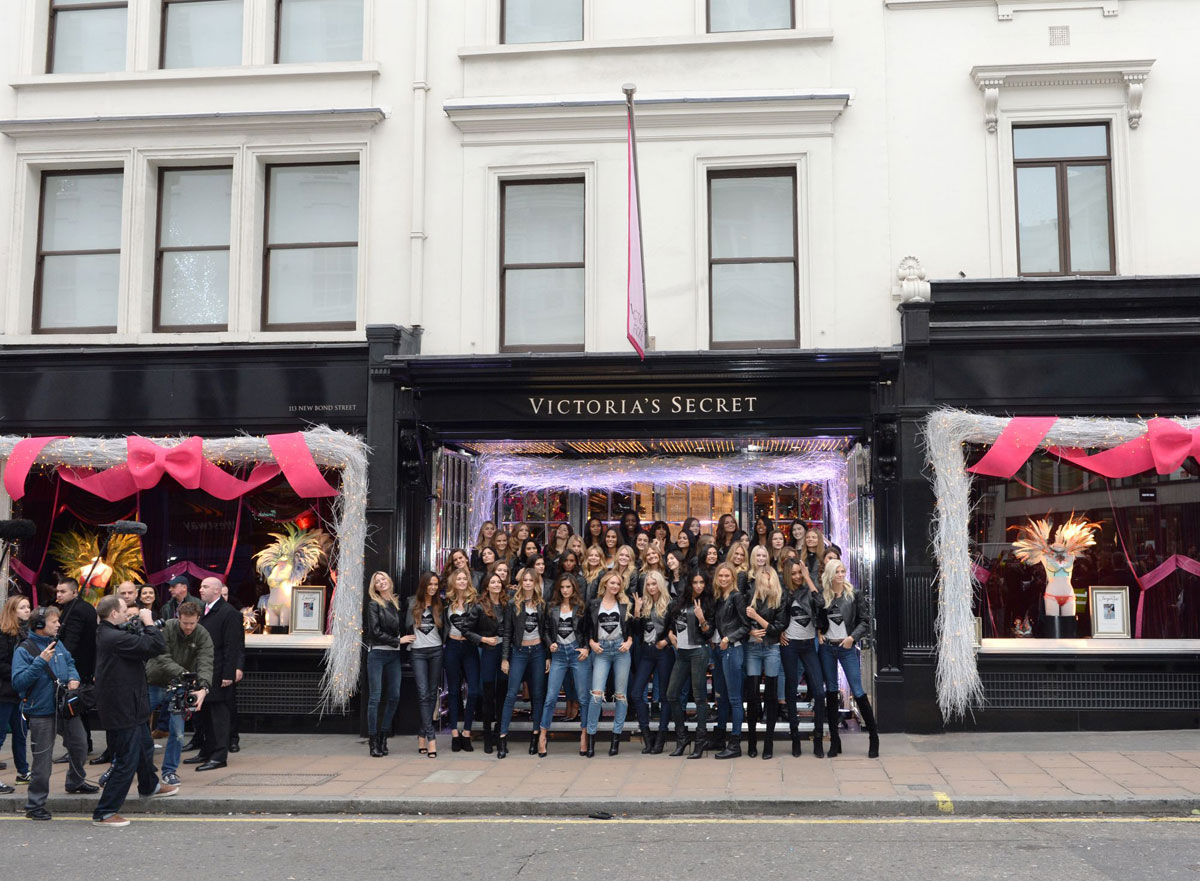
852, 612
777, 619
804, 604
481, 624
383, 624
580, 625
625, 620
407, 627
653, 624
514, 630
697, 635
731, 621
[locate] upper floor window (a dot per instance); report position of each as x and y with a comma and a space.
310, 268
750, 15
1064, 199
87, 36
318, 30
201, 33
541, 21
192, 267
79, 252
542, 285
753, 276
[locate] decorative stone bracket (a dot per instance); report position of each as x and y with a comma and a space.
913, 286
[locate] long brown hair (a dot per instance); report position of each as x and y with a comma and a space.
576, 601
10, 624
421, 600
518, 599
485, 598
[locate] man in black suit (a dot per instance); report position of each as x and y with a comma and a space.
77, 633
224, 624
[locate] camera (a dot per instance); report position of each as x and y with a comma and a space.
181, 694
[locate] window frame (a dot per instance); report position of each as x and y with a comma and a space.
581, 180
159, 249
52, 29
708, 21
264, 306
38, 275
504, 19
278, 28
162, 31
1062, 198
788, 171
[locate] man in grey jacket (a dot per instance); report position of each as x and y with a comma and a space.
189, 650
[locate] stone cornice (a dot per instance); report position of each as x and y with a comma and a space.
1132, 74
346, 119
1006, 9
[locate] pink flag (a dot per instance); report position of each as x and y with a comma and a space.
635, 326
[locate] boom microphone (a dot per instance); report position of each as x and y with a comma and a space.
125, 527
15, 530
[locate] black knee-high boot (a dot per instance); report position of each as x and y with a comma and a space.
832, 714
771, 684
868, 717
818, 737
753, 711
489, 717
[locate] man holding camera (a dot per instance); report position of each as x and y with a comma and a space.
124, 643
189, 651
41, 666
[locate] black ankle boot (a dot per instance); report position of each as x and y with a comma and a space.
750, 691
455, 742
375, 751
797, 744
682, 739
502, 747
465, 743
715, 740
660, 741
647, 741
591, 745
383, 744
868, 717
833, 717
615, 746
698, 746
533, 741
733, 748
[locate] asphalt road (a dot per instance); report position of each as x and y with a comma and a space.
299, 849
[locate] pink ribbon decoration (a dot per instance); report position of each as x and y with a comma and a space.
1147, 581
296, 460
23, 456
148, 462
1014, 446
1163, 447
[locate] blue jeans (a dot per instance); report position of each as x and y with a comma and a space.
796, 653
10, 715
831, 656
174, 748
652, 663
462, 663
732, 664
563, 661
526, 661
762, 660
383, 683
427, 670
619, 662
133, 754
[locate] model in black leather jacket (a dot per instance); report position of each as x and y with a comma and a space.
593, 616
649, 623
406, 623
580, 624
481, 624
383, 624
853, 613
697, 635
514, 630
776, 618
730, 618
811, 606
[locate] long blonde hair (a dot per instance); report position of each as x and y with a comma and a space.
590, 573
469, 596
743, 566
661, 601
733, 585
629, 571
827, 581
767, 587
480, 541
518, 598
622, 596
395, 600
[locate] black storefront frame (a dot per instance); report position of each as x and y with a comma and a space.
455, 399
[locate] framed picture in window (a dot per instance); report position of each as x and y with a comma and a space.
1109, 608
308, 610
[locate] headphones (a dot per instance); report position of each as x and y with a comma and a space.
37, 618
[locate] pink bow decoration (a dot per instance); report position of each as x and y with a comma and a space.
23, 456
1163, 447
148, 462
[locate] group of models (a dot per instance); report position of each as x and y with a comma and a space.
627, 612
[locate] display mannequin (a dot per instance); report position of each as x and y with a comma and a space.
285, 564
1057, 557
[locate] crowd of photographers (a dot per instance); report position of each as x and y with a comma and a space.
67, 666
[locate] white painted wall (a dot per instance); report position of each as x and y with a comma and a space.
905, 166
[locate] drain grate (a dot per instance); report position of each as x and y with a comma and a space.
275, 779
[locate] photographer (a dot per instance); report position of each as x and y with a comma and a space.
41, 665
123, 646
189, 651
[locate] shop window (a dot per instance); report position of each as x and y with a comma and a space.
541, 21
1064, 199
542, 284
753, 276
310, 271
201, 33
192, 265
87, 36
1143, 522
318, 30
750, 15
79, 252
539, 510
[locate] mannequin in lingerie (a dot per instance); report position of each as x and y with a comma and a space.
1057, 557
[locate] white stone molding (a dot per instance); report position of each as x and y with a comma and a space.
272, 121
1131, 74
913, 286
1006, 9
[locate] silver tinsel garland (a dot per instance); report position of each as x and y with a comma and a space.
330, 448
946, 431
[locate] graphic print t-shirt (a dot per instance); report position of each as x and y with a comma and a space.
682, 622
837, 624
566, 629
427, 632
800, 625
531, 622
610, 623
458, 623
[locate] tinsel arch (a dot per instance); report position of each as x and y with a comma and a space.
329, 448
498, 473
946, 431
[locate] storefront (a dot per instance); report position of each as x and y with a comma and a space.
1085, 364
800, 437
238, 397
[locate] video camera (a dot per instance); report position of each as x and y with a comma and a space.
181, 694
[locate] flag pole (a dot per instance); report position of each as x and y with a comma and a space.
629, 89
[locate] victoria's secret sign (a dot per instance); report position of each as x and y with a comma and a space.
644, 405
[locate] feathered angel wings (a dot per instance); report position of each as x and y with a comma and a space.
1033, 544
301, 549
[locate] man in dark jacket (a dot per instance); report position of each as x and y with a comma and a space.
180, 591
77, 635
122, 651
224, 624
189, 650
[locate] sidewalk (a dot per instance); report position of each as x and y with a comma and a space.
963, 774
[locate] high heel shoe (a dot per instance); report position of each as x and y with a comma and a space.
615, 746
541, 744
465, 742
455, 742
502, 747
432, 748
422, 745
583, 743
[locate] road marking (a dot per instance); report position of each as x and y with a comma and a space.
943, 802
643, 821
